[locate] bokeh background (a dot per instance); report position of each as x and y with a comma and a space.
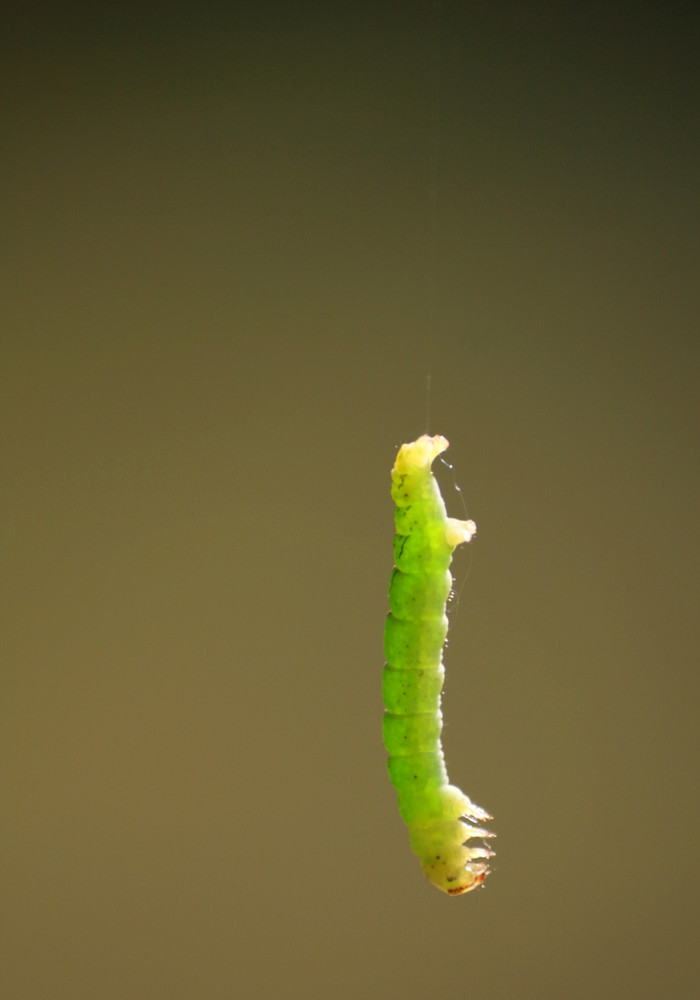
216, 329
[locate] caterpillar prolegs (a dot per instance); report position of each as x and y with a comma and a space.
440, 817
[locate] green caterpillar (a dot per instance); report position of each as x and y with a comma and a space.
436, 812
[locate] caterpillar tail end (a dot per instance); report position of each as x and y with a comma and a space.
473, 881
447, 858
453, 867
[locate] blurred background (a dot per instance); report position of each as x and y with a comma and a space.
216, 330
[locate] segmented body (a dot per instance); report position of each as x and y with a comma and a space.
440, 817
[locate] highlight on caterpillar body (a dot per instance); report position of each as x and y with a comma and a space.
441, 818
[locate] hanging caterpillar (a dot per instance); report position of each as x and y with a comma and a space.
439, 816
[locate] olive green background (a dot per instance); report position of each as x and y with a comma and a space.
215, 320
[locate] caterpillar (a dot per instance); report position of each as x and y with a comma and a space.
439, 816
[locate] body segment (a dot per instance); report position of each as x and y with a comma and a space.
440, 817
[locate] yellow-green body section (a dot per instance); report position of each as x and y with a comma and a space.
437, 813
